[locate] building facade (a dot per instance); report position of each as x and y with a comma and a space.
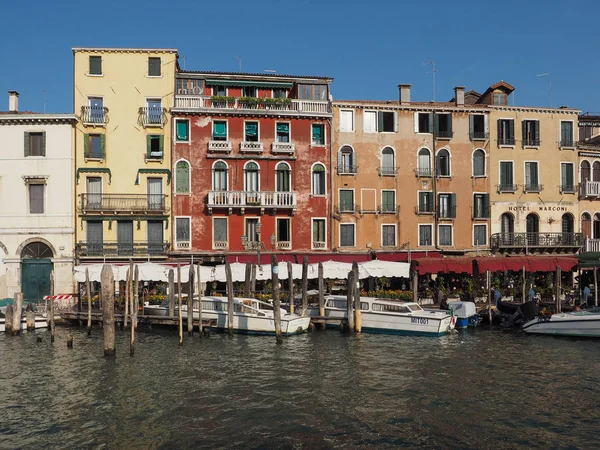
411, 176
36, 202
588, 151
122, 152
251, 164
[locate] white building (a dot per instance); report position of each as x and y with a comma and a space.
36, 202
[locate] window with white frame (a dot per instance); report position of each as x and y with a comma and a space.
346, 160
532, 182
251, 132
443, 163
318, 134
567, 184
282, 177
182, 231
36, 197
282, 132
425, 235
386, 121
182, 177
531, 133
388, 201
566, 133
219, 174
506, 132
182, 130
347, 234
445, 235
478, 163
424, 163
251, 177
424, 123
154, 66
219, 130
346, 200
388, 162
318, 179
388, 235
480, 235
283, 236
220, 239
370, 121
318, 233
346, 120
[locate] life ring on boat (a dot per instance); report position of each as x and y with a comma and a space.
453, 320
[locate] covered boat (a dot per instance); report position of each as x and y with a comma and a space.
465, 313
584, 323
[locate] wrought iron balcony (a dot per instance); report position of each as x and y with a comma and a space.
481, 212
387, 208
424, 209
94, 115
533, 187
524, 241
589, 189
219, 146
446, 212
115, 203
568, 143
347, 169
152, 117
388, 171
282, 147
568, 189
126, 249
424, 172
445, 134
507, 188
251, 147
252, 199
506, 141
478, 135
319, 245
344, 208
529, 142
220, 245
283, 245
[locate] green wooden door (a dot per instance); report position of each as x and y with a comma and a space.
35, 279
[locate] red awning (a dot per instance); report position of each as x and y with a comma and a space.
403, 256
444, 265
531, 263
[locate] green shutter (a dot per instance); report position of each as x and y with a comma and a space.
86, 145
220, 129
486, 205
436, 124
317, 134
452, 204
161, 143
27, 144
511, 129
182, 175
283, 127
148, 144
537, 130
103, 146
251, 129
524, 131
471, 124
422, 201
43, 149
450, 124
182, 131
379, 120
431, 122
499, 130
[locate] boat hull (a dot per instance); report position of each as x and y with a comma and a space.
40, 322
465, 322
569, 324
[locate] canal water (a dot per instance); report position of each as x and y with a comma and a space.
480, 389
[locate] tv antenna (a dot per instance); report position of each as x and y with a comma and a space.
239, 58
44, 92
431, 63
270, 71
547, 74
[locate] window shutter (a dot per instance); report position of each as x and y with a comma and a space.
536, 129
422, 201
452, 201
379, 121
524, 131
534, 174
86, 145
103, 145
161, 142
416, 124
511, 129
471, 123
27, 144
429, 200
486, 205
450, 123
499, 130
486, 122
436, 123
43, 144
569, 175
148, 144
395, 121
431, 122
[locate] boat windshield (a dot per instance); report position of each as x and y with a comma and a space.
415, 308
390, 308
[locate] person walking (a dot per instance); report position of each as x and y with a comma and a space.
531, 294
586, 294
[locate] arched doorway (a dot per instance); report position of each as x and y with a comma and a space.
567, 226
507, 224
586, 225
533, 229
36, 265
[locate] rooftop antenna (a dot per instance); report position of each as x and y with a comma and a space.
431, 63
270, 71
547, 74
44, 91
239, 58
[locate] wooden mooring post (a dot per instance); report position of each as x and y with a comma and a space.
131, 301
351, 286
136, 295
304, 285
415, 286
16, 318
558, 289
8, 318
524, 280
171, 292
127, 304
190, 302
229, 298
253, 280
488, 283
30, 319
89, 301
51, 306
179, 304
595, 287
290, 287
357, 311
108, 309
200, 293
321, 294
248, 280
276, 302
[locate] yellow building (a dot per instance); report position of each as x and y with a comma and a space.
122, 151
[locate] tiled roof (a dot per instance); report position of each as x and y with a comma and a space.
254, 74
397, 103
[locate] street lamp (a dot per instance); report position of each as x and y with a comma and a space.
258, 227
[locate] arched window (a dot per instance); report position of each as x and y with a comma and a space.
567, 224
219, 176
507, 224
424, 163
282, 177
251, 177
443, 163
585, 171
532, 223
182, 177
346, 160
36, 250
388, 162
596, 171
318, 179
586, 225
478, 163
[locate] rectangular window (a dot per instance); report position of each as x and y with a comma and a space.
251, 132
219, 130
219, 91
155, 145
35, 144
425, 202
388, 235
312, 92
154, 111
567, 184
370, 121
182, 230
155, 237
283, 233
346, 200
447, 206
36, 198
531, 133
386, 121
477, 127
252, 230
94, 237
531, 177
425, 232
318, 233
153, 67
283, 132
424, 123
506, 132
182, 130
95, 65
479, 235
220, 231
249, 91
506, 177
318, 134
481, 206
94, 146
346, 120
280, 93
388, 201
443, 126
566, 134
188, 86
500, 99
445, 234
347, 235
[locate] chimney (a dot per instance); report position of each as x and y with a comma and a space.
404, 90
459, 95
13, 101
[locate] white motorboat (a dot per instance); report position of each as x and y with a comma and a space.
381, 315
250, 316
584, 323
40, 322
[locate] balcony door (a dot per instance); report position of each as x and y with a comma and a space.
251, 183
96, 114
155, 197
533, 229
125, 237
155, 237
251, 230
94, 238
283, 234
94, 193
154, 111
507, 222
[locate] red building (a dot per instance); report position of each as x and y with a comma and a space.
251, 164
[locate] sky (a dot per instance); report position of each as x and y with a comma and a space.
368, 47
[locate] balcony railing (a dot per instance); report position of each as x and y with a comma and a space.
506, 141
481, 213
507, 188
347, 169
283, 245
589, 189
446, 212
182, 244
592, 245
478, 135
528, 142
424, 209
220, 245
444, 134
283, 147
526, 240
346, 208
94, 115
533, 188
202, 102
249, 199
251, 147
113, 248
568, 189
319, 245
569, 143
424, 172
388, 171
108, 203
386, 208
152, 117
219, 146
